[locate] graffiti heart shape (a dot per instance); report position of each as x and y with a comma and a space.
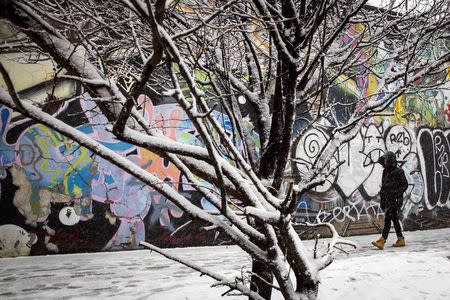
360, 168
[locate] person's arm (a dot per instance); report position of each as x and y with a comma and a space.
400, 183
383, 191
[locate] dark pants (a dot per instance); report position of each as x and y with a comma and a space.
391, 214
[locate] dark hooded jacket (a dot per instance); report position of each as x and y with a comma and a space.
393, 183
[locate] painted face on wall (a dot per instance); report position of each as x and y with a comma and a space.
15, 241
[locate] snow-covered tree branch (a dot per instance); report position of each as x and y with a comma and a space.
269, 61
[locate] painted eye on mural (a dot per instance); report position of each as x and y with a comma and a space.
68, 216
242, 100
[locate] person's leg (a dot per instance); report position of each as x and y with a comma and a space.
398, 228
387, 223
387, 226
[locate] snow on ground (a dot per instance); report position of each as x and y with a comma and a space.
421, 270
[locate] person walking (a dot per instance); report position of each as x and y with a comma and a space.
393, 185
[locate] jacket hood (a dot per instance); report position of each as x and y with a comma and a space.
391, 159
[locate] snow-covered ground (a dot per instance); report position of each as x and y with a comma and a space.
421, 270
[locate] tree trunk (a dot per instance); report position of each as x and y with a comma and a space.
261, 275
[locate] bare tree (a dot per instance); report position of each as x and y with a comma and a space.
280, 57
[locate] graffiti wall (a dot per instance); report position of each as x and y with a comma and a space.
63, 198
351, 193
58, 197
417, 132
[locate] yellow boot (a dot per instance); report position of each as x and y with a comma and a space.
379, 243
400, 242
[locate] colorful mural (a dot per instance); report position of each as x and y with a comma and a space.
63, 193
58, 197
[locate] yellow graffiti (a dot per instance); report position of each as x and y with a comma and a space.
82, 160
348, 85
157, 167
448, 70
359, 27
185, 8
399, 111
45, 139
372, 85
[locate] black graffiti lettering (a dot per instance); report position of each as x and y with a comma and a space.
400, 138
435, 149
425, 159
406, 141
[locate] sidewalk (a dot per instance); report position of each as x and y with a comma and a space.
421, 270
